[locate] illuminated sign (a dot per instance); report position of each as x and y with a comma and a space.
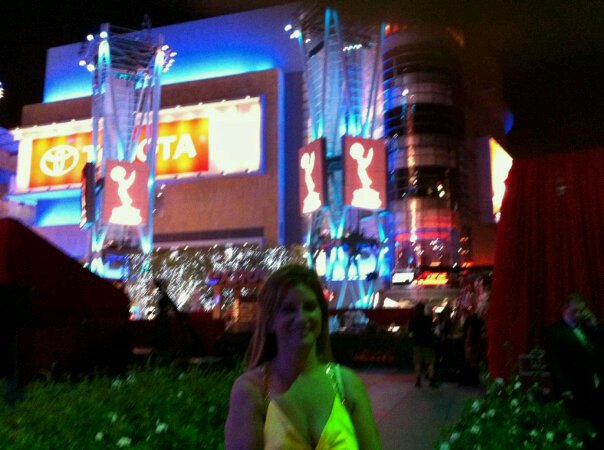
403, 277
200, 140
182, 147
501, 163
235, 278
364, 173
59, 159
126, 199
311, 160
427, 278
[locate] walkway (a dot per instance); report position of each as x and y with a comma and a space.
409, 418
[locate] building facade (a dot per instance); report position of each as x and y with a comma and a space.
249, 94
243, 78
436, 149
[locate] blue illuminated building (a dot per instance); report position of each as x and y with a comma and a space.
208, 48
241, 56
437, 106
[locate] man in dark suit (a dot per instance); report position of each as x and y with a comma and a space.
573, 351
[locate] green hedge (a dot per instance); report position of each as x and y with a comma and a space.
145, 409
516, 415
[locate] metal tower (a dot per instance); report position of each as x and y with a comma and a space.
423, 98
126, 68
343, 86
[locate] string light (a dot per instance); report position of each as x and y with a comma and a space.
187, 270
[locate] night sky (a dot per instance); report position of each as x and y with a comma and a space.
551, 53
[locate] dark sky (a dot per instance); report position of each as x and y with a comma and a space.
551, 53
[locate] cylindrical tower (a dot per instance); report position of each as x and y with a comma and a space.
423, 121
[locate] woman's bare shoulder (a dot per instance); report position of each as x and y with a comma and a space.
244, 424
353, 384
360, 409
249, 385
350, 376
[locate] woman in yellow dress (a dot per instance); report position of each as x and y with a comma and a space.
293, 396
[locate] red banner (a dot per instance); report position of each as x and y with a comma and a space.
126, 199
364, 173
311, 160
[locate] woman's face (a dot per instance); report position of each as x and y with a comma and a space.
297, 323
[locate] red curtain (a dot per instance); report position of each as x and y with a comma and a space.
549, 243
70, 317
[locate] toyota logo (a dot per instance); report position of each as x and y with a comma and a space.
59, 160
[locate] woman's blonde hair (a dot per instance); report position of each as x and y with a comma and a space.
263, 346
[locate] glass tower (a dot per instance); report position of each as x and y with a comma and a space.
423, 122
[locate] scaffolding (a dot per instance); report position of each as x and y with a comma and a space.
343, 91
126, 67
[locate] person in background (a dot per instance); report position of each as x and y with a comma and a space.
445, 348
164, 347
422, 335
173, 338
573, 352
474, 345
292, 394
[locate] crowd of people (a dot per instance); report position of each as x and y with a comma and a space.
449, 345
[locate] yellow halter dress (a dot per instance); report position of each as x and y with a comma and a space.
338, 432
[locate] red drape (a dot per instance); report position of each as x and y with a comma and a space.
71, 317
549, 243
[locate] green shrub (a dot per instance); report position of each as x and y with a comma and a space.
145, 409
515, 416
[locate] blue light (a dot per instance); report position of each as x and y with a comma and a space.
5, 176
509, 121
207, 48
66, 211
281, 158
115, 267
31, 198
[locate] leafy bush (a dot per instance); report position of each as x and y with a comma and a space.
144, 409
516, 416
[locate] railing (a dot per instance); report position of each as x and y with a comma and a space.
532, 368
